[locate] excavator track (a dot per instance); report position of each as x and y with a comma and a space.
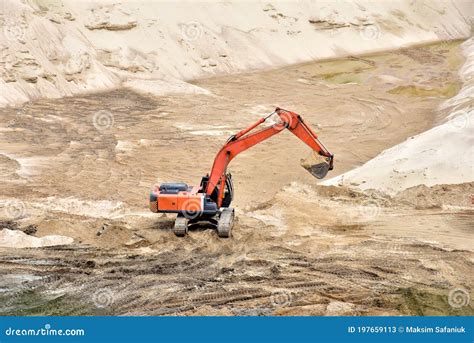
180, 228
226, 221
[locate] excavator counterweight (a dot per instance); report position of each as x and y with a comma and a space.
210, 201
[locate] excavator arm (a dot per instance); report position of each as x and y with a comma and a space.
245, 139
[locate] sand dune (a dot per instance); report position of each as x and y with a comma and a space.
441, 155
59, 48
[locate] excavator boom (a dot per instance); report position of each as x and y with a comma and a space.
245, 140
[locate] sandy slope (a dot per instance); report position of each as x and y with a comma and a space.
54, 48
441, 155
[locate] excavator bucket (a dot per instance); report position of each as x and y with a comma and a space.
317, 165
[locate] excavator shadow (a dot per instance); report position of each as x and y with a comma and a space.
192, 225
202, 225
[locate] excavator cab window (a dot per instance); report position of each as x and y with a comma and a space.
204, 182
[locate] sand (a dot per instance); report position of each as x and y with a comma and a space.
297, 249
441, 155
19, 239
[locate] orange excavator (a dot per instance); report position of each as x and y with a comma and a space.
210, 201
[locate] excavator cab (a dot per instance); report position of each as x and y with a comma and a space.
228, 194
